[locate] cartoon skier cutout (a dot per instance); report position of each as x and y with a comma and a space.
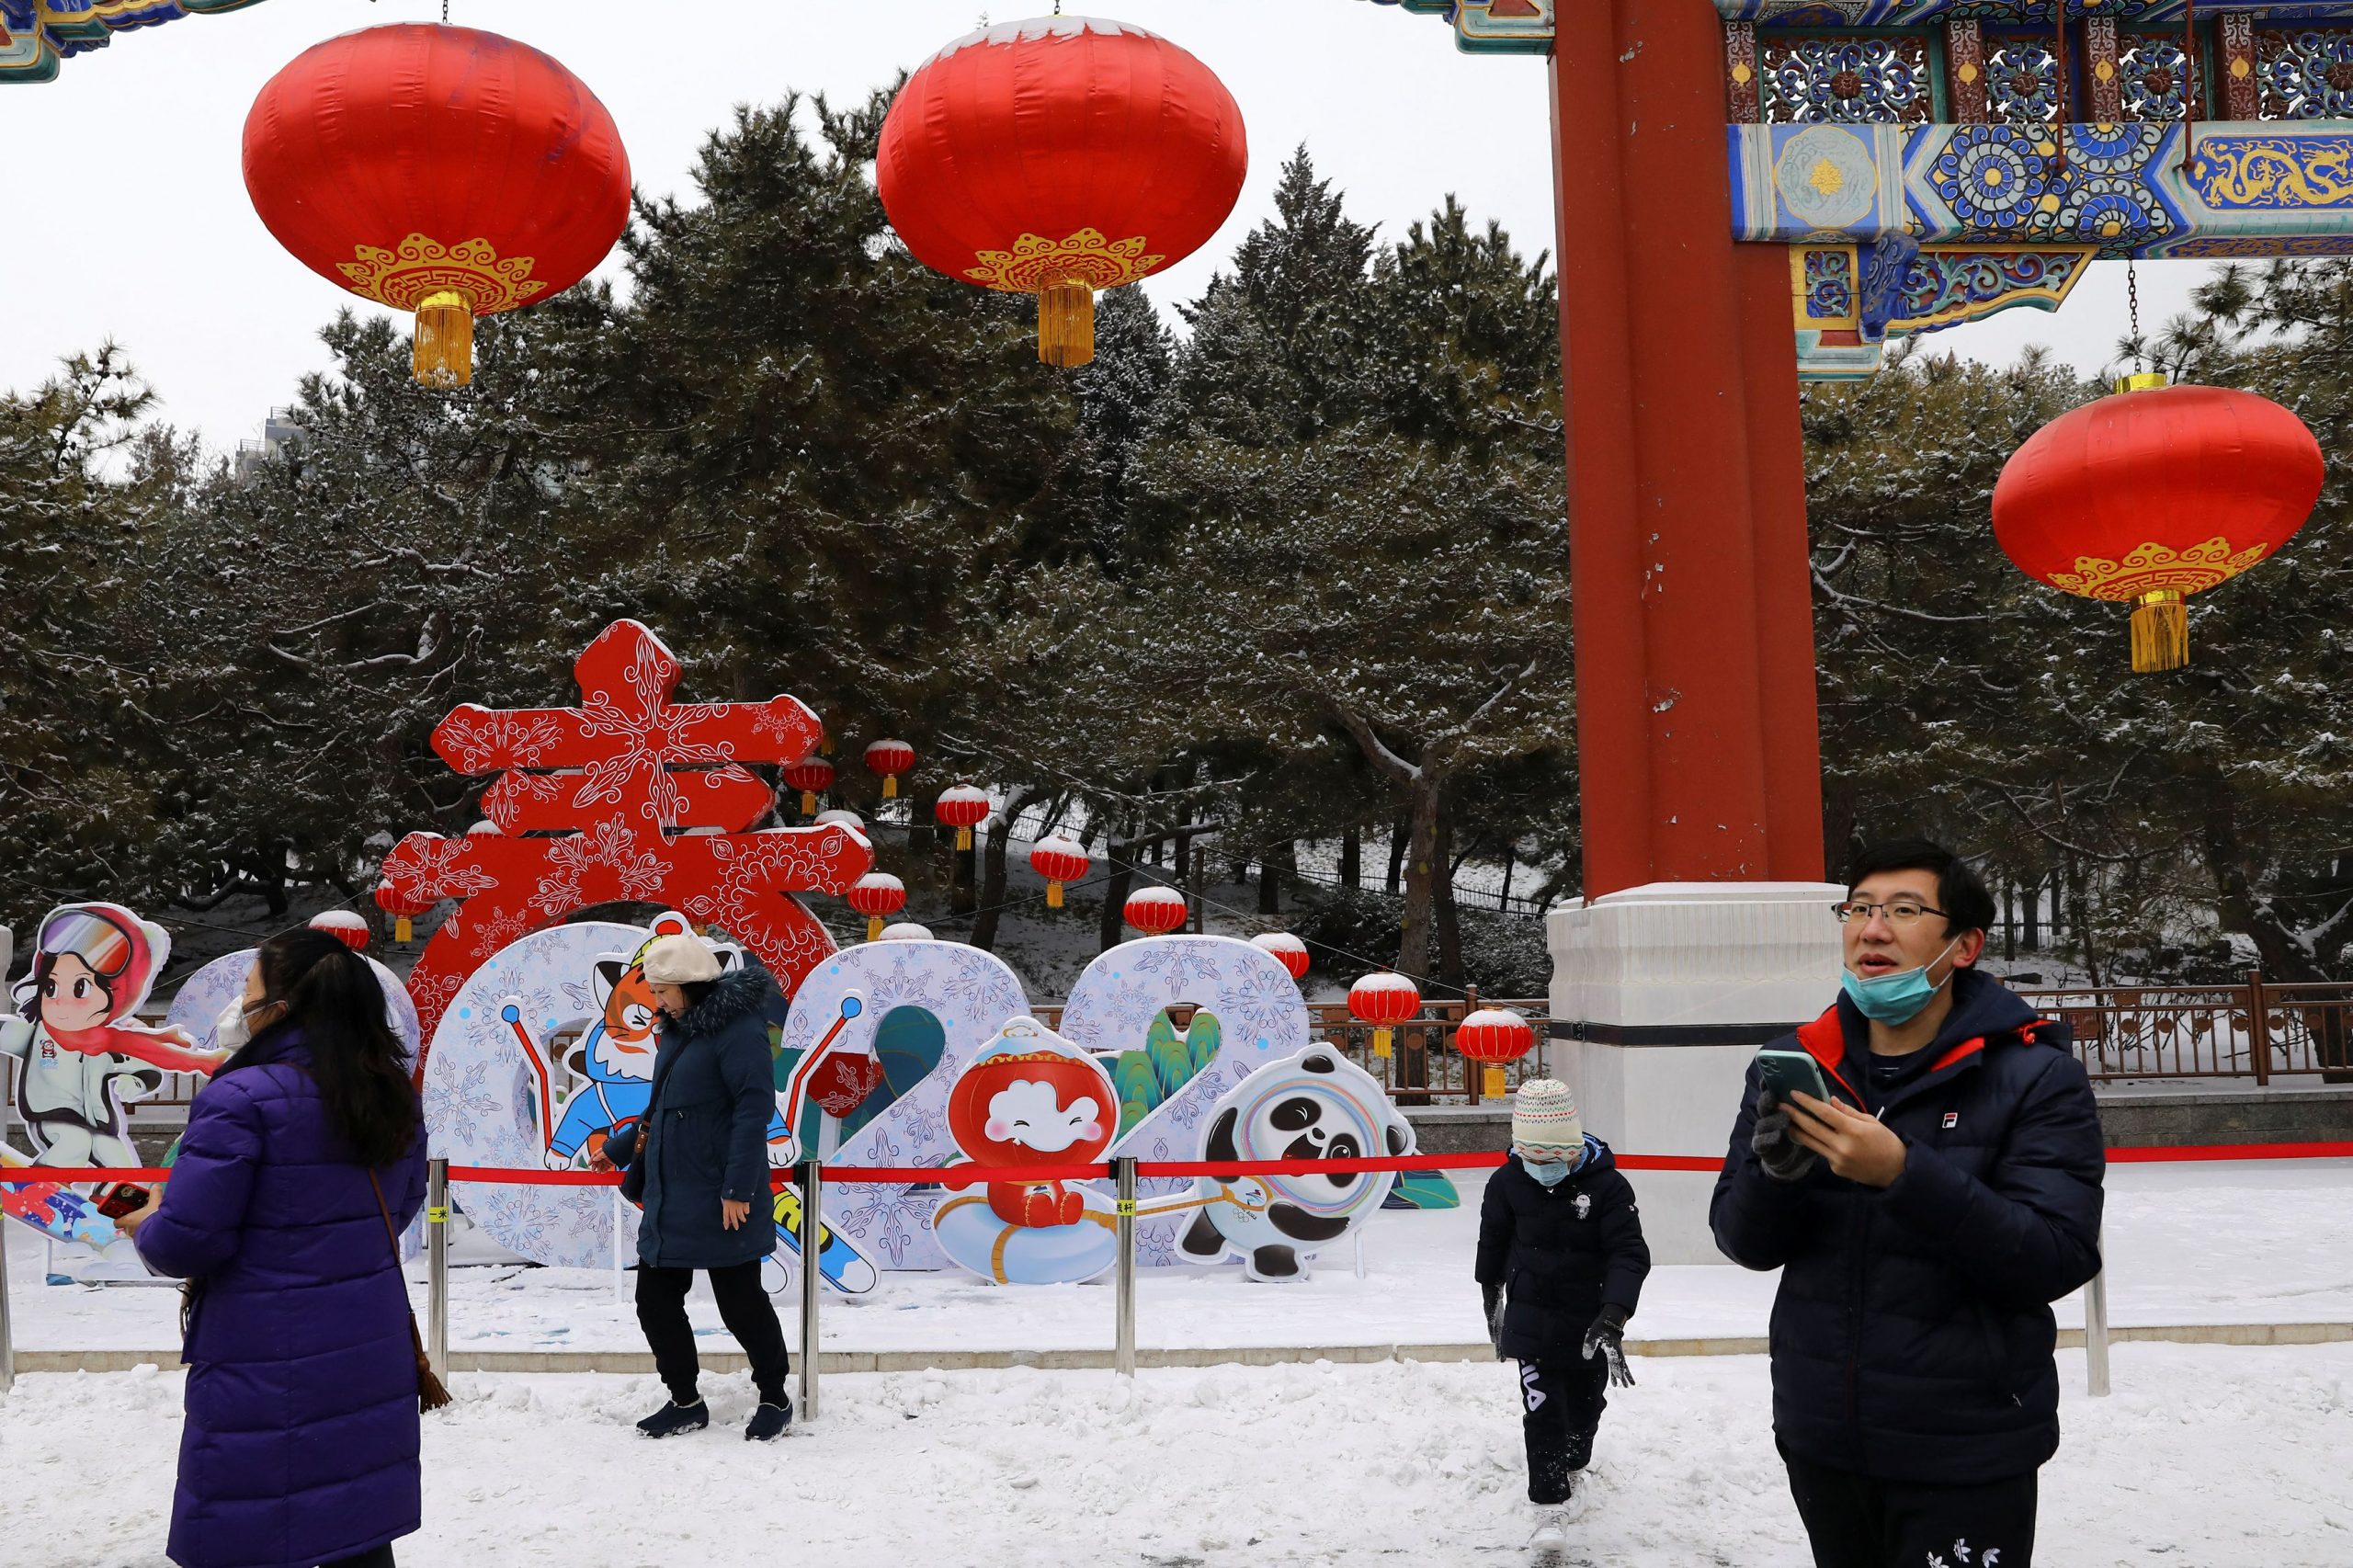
81, 1059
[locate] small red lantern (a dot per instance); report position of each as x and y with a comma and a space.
1155, 912
1384, 1001
1494, 1036
963, 808
404, 911
812, 777
1058, 156
877, 895
1289, 950
349, 929
438, 169
2155, 494
889, 758
1059, 860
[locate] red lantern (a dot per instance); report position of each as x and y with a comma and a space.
1059, 860
1155, 912
1384, 1001
2154, 494
404, 911
877, 895
438, 169
812, 777
1494, 1036
963, 808
1289, 950
889, 758
1058, 156
349, 929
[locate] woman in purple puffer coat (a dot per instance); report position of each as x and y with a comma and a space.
301, 1447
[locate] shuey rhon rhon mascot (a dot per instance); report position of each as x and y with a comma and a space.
1031, 1097
1314, 1105
93, 965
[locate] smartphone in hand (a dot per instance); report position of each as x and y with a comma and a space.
122, 1197
1788, 1072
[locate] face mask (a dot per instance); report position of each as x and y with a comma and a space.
229, 1030
1896, 998
1551, 1173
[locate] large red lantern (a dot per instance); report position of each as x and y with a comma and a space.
1384, 1001
890, 759
404, 908
349, 929
438, 169
812, 777
1287, 951
1494, 1036
1059, 860
1058, 156
877, 895
1155, 912
2156, 493
963, 807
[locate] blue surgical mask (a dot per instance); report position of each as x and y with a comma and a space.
1896, 998
1551, 1173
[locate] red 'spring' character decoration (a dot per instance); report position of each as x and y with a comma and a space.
593, 804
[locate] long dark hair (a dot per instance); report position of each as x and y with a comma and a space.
336, 1004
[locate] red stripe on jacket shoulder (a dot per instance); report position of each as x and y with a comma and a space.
1825, 1041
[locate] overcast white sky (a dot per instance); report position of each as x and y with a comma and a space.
128, 217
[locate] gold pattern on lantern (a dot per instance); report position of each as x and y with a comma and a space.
1036, 262
2153, 568
420, 267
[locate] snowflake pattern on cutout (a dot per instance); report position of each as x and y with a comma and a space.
593, 804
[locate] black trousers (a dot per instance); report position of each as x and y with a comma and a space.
1564, 1403
380, 1558
1856, 1522
744, 1307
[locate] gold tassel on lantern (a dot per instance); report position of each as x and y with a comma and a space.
963, 838
1053, 895
1494, 1087
403, 932
873, 928
1066, 325
1381, 1038
2160, 633
808, 803
890, 785
445, 342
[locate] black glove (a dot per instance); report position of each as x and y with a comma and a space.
1608, 1336
1775, 1147
1493, 1296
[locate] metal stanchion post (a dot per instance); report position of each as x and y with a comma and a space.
8, 1340
813, 1198
1124, 1355
437, 1266
620, 1265
2096, 1328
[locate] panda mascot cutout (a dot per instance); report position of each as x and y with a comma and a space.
1314, 1105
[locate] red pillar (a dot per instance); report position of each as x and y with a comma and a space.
1698, 739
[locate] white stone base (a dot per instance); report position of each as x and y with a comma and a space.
1676, 985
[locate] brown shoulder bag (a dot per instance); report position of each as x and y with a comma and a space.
431, 1393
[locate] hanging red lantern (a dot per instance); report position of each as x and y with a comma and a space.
349, 929
1289, 950
1060, 861
963, 808
1384, 1001
2154, 494
404, 911
1058, 156
1155, 912
877, 895
438, 169
890, 759
1494, 1036
812, 777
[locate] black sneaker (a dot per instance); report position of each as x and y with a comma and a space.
768, 1421
673, 1418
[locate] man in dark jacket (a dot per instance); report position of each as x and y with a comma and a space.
698, 1161
1925, 1216
1561, 1265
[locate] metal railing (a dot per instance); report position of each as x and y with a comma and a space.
2258, 1030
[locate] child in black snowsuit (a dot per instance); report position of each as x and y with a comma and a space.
1561, 1261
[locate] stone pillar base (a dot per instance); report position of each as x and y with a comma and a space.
1661, 995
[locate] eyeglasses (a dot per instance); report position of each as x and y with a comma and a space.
1899, 911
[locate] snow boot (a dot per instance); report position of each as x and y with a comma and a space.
673, 1418
1552, 1528
768, 1421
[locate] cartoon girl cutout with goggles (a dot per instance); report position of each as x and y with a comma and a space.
80, 1059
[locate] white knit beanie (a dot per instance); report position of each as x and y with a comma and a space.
1544, 1116
680, 960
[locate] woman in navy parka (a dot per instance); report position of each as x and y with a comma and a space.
301, 1445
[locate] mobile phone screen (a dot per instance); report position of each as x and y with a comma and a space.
1788, 1072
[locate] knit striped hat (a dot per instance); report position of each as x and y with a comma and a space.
1544, 1116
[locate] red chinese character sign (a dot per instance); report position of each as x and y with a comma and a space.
594, 805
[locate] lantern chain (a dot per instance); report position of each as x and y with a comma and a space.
2133, 303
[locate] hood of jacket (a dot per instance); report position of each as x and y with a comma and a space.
738, 994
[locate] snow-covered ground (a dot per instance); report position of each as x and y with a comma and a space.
2206, 1456
2224, 1243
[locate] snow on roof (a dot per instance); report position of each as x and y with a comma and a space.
1044, 26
